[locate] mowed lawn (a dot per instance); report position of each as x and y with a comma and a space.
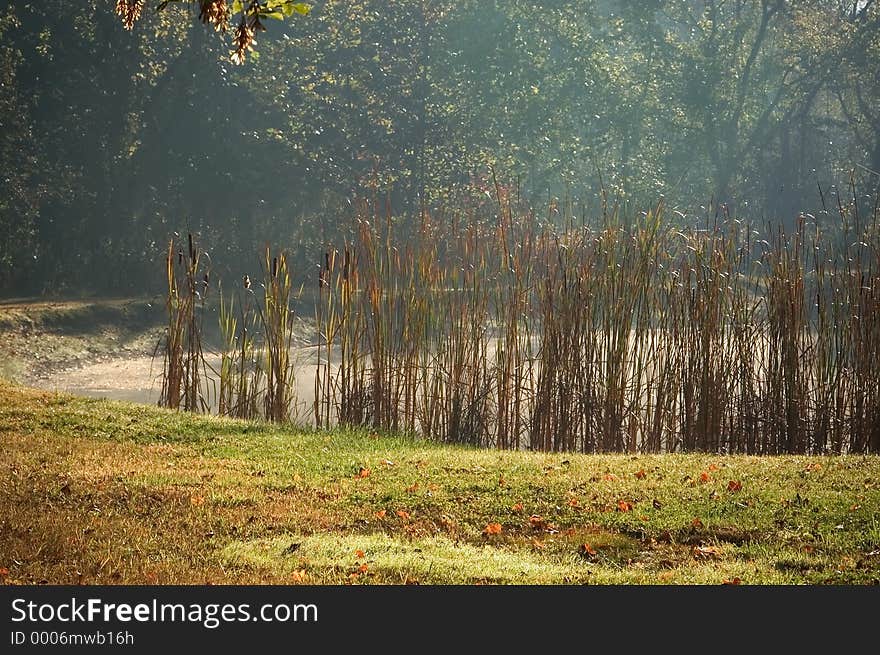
100, 492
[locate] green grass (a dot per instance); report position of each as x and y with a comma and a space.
104, 492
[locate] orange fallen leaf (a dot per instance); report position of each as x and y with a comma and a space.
573, 502
624, 506
697, 523
609, 477
4, 570
492, 528
707, 552
197, 501
363, 473
537, 522
298, 576
734, 485
640, 474
359, 554
734, 581
586, 550
402, 513
704, 477
381, 514
363, 568
518, 507
713, 467
152, 577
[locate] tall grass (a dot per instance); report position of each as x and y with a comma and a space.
184, 366
487, 324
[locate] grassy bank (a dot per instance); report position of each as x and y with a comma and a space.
104, 492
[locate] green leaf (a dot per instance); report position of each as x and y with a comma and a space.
237, 7
268, 13
288, 7
300, 7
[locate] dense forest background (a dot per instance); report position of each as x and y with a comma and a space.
113, 140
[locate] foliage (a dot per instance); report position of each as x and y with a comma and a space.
118, 138
221, 13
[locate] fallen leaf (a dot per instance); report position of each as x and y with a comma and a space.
363, 568
734, 485
518, 507
704, 477
298, 576
402, 513
537, 522
734, 581
609, 477
152, 578
640, 474
706, 552
492, 528
854, 507
587, 551
363, 473
713, 467
359, 554
413, 488
624, 506
4, 570
197, 501
697, 523
381, 514
573, 502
